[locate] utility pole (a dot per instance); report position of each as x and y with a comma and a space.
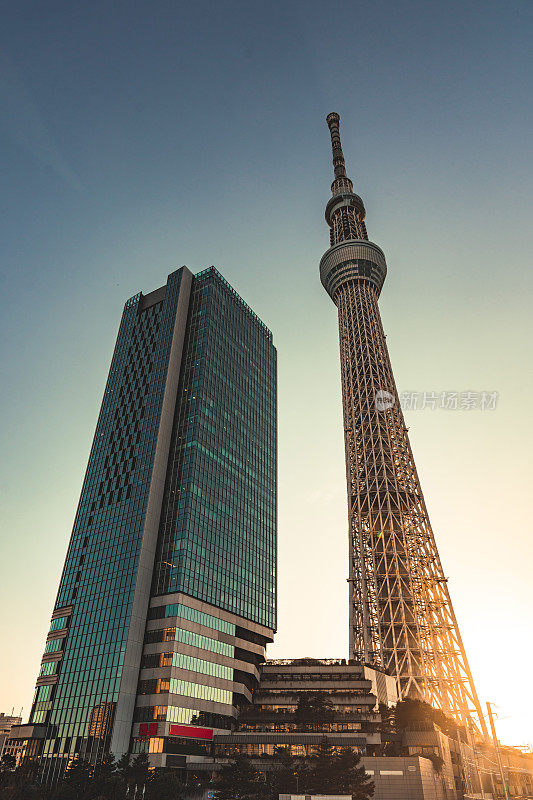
465, 766
497, 746
477, 769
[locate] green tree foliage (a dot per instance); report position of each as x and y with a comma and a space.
239, 780
124, 769
352, 777
291, 774
312, 711
323, 777
105, 780
165, 785
21, 784
77, 781
8, 762
388, 732
386, 714
140, 771
327, 772
106, 783
85, 781
196, 782
414, 713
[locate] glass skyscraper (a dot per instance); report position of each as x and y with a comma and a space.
168, 593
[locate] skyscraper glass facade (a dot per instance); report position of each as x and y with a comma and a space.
217, 539
100, 571
180, 494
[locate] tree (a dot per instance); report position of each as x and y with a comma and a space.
291, 775
313, 710
166, 785
390, 746
21, 783
124, 769
8, 762
411, 714
76, 782
239, 780
386, 715
195, 782
323, 778
414, 713
352, 777
134, 773
22, 789
338, 773
106, 783
140, 771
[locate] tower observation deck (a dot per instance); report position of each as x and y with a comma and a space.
401, 616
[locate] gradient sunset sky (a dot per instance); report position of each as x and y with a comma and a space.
140, 136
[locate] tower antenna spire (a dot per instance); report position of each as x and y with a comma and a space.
345, 212
341, 182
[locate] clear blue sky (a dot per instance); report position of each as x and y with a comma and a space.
140, 136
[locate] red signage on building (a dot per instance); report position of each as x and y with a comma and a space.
192, 731
148, 729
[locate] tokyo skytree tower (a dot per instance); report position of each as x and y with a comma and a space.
401, 615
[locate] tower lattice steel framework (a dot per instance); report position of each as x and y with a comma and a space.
401, 615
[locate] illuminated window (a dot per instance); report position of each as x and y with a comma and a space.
198, 690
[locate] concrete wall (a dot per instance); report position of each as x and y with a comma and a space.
397, 778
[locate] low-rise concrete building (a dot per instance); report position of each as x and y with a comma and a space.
6, 747
395, 778
406, 778
275, 719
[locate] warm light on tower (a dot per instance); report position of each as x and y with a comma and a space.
401, 615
